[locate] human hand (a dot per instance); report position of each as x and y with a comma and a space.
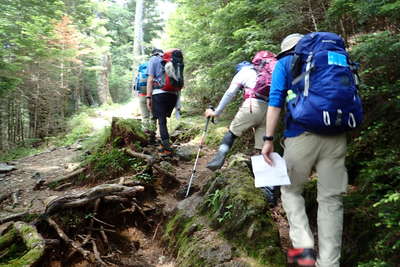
267, 149
209, 113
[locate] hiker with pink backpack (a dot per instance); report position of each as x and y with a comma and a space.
254, 79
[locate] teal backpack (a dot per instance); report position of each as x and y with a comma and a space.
141, 79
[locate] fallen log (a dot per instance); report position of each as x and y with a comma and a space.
77, 200
33, 241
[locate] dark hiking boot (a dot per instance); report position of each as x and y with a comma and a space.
217, 161
302, 257
165, 149
271, 193
219, 158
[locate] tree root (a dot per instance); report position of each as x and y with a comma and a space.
13, 217
151, 162
85, 253
65, 178
77, 200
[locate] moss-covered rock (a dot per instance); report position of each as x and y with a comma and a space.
240, 211
185, 131
228, 226
194, 243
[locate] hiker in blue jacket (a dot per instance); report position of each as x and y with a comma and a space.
304, 150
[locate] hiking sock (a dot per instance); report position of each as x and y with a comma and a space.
223, 149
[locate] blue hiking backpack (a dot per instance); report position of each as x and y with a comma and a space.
326, 81
141, 79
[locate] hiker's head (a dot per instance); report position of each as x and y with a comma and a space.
157, 52
241, 65
289, 42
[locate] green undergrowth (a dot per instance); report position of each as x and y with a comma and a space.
107, 160
82, 126
193, 129
19, 152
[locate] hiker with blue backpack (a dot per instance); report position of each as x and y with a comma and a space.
254, 79
140, 87
317, 82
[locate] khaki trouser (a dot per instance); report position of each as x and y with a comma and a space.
250, 115
327, 155
147, 121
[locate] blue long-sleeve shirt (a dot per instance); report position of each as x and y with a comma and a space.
281, 83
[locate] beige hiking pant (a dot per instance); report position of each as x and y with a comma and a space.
327, 155
147, 121
251, 114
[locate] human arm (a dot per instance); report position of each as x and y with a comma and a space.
271, 123
277, 95
236, 84
149, 91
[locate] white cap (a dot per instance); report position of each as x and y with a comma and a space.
290, 41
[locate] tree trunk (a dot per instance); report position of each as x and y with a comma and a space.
138, 48
104, 90
138, 38
1, 125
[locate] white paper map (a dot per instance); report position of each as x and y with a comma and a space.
266, 175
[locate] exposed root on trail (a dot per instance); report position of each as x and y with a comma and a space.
78, 200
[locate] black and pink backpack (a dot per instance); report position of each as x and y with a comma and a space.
264, 63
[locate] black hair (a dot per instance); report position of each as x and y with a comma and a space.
156, 52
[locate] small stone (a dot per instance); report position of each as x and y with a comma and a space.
161, 259
4, 168
36, 176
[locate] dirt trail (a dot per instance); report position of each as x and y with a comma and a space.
61, 161
51, 164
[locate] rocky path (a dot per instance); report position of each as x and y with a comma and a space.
58, 162
19, 185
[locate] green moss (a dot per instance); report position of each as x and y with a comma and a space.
181, 238
20, 253
12, 254
252, 229
133, 125
110, 162
30, 217
7, 238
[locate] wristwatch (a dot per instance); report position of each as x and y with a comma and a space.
268, 138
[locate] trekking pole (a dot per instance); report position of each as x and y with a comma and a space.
198, 153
